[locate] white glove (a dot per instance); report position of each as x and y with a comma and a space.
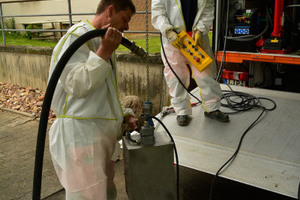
171, 35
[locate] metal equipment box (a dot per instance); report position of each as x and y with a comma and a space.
149, 170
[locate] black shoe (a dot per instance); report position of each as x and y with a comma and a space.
217, 115
182, 120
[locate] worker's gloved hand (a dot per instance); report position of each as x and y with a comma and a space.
198, 37
171, 35
131, 122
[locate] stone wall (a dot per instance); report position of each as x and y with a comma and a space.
29, 66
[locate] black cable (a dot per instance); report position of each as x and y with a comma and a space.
246, 102
164, 53
238, 101
233, 156
240, 38
128, 134
40, 145
253, 37
176, 155
219, 75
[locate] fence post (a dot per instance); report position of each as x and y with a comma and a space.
70, 13
2, 24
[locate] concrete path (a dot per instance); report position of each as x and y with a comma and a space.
18, 134
18, 142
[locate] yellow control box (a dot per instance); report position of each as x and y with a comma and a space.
192, 51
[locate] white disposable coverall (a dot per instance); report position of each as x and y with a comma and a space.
83, 138
166, 15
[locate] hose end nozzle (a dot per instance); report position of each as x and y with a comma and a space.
139, 51
134, 48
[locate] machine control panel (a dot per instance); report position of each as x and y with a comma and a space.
192, 51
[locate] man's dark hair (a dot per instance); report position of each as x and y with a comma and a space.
119, 5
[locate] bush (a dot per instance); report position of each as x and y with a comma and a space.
11, 24
29, 34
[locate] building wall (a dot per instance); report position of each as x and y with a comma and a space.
138, 22
61, 7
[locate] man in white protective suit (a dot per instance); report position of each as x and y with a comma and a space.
195, 17
84, 137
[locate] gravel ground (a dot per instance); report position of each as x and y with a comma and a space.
24, 99
30, 100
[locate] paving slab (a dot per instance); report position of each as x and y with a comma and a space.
18, 133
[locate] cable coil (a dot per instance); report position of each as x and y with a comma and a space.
240, 102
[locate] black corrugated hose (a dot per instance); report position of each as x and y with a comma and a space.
40, 145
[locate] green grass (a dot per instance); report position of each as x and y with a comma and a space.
22, 41
154, 42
